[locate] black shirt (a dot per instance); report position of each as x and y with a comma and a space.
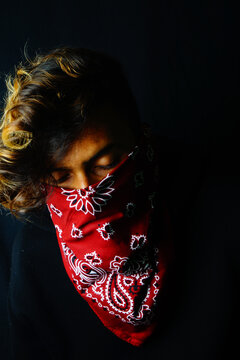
48, 319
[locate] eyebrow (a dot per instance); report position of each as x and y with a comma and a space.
106, 150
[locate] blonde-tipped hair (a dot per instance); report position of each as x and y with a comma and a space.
47, 101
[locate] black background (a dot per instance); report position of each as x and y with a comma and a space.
181, 59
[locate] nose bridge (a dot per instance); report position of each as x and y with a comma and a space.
81, 180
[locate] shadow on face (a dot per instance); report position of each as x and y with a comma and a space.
105, 140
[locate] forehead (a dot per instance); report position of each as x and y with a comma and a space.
104, 123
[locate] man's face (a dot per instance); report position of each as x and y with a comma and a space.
104, 141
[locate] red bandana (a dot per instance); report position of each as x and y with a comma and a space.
109, 251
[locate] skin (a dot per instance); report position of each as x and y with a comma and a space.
105, 140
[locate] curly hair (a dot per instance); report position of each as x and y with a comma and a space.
48, 100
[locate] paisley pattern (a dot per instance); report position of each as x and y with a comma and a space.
106, 231
91, 200
112, 289
105, 236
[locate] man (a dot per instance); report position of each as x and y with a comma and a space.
71, 123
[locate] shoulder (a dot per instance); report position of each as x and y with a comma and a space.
35, 254
37, 232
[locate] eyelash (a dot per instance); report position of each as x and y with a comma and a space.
107, 167
63, 179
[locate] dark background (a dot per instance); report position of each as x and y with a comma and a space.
181, 59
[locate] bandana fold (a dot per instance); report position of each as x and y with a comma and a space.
112, 244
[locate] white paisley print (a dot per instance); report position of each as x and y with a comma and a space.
106, 231
90, 200
111, 245
110, 289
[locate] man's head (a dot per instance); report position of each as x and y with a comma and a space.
105, 139
66, 101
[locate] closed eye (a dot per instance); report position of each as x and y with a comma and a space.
107, 167
63, 179
100, 170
